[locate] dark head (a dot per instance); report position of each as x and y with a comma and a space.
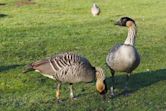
125, 21
101, 85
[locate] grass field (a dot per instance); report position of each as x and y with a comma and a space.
29, 32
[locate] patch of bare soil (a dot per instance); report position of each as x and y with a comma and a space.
24, 3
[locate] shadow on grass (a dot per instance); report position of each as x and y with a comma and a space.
2, 15
2, 4
9, 67
138, 80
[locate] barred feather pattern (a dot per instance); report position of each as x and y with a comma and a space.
67, 67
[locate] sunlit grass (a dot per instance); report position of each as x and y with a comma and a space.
32, 32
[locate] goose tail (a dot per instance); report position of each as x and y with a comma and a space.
28, 68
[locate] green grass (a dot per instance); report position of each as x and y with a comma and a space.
32, 32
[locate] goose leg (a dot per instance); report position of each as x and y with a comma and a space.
58, 92
126, 85
113, 84
71, 91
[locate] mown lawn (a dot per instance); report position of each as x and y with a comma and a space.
29, 32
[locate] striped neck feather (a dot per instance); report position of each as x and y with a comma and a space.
130, 40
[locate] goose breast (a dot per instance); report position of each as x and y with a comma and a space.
123, 58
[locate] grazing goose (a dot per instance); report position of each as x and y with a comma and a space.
95, 10
69, 68
124, 57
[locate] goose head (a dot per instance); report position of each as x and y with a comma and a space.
125, 21
101, 86
94, 5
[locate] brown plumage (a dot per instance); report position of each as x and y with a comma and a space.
68, 68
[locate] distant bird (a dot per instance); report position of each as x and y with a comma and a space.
95, 10
69, 68
124, 57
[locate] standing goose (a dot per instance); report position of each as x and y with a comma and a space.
95, 10
124, 57
69, 68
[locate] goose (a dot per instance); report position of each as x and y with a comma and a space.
95, 10
69, 68
124, 57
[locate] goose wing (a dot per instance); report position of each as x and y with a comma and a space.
57, 62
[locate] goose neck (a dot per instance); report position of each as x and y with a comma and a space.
130, 40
